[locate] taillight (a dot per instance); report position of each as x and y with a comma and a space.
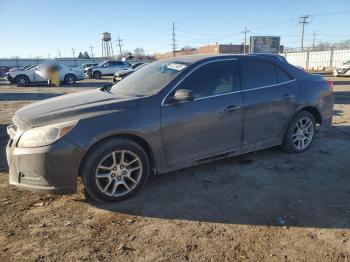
330, 84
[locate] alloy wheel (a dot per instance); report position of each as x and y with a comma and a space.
70, 79
118, 173
21, 81
303, 133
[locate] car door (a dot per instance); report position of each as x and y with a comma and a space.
269, 100
38, 74
106, 68
119, 66
209, 124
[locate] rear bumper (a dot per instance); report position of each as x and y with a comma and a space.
48, 169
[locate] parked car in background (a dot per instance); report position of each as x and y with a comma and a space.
118, 76
86, 65
106, 68
168, 115
343, 70
37, 74
4, 70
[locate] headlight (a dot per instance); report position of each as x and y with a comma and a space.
45, 135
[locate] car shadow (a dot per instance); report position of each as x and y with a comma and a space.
268, 188
341, 97
341, 82
3, 141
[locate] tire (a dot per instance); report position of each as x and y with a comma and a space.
22, 80
70, 79
97, 75
300, 133
107, 177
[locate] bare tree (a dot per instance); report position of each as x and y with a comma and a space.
188, 50
139, 53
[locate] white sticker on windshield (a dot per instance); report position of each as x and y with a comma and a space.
176, 66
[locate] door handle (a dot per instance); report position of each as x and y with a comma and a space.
231, 108
288, 97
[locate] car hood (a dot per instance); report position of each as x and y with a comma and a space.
343, 67
124, 71
73, 106
91, 67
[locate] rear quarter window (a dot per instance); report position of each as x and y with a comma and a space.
282, 76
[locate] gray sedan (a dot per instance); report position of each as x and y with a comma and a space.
168, 115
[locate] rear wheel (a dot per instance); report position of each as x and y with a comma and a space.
70, 79
300, 133
115, 170
22, 80
97, 75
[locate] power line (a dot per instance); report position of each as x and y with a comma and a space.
174, 40
120, 45
303, 22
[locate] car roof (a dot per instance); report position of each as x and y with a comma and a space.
191, 59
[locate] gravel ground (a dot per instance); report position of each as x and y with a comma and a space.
262, 206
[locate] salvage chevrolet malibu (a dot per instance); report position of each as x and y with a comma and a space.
168, 115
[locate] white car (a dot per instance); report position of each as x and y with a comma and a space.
108, 67
37, 74
343, 70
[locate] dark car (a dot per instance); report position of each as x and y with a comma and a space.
4, 70
120, 75
168, 115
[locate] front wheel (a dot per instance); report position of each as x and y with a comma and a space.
115, 170
300, 133
97, 75
22, 80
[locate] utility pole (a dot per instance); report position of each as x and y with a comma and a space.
120, 45
59, 54
245, 38
174, 41
303, 22
92, 54
313, 40
73, 51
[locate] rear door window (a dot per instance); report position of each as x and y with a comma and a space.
258, 74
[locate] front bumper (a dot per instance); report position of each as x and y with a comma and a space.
9, 78
48, 169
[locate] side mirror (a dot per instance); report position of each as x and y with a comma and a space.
182, 95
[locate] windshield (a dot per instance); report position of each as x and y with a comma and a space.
150, 79
102, 63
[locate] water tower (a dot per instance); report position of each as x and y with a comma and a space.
107, 49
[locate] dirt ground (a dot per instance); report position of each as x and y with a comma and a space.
263, 206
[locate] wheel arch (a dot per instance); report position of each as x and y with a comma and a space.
22, 75
314, 111
135, 138
70, 73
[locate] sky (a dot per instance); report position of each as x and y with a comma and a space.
47, 28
